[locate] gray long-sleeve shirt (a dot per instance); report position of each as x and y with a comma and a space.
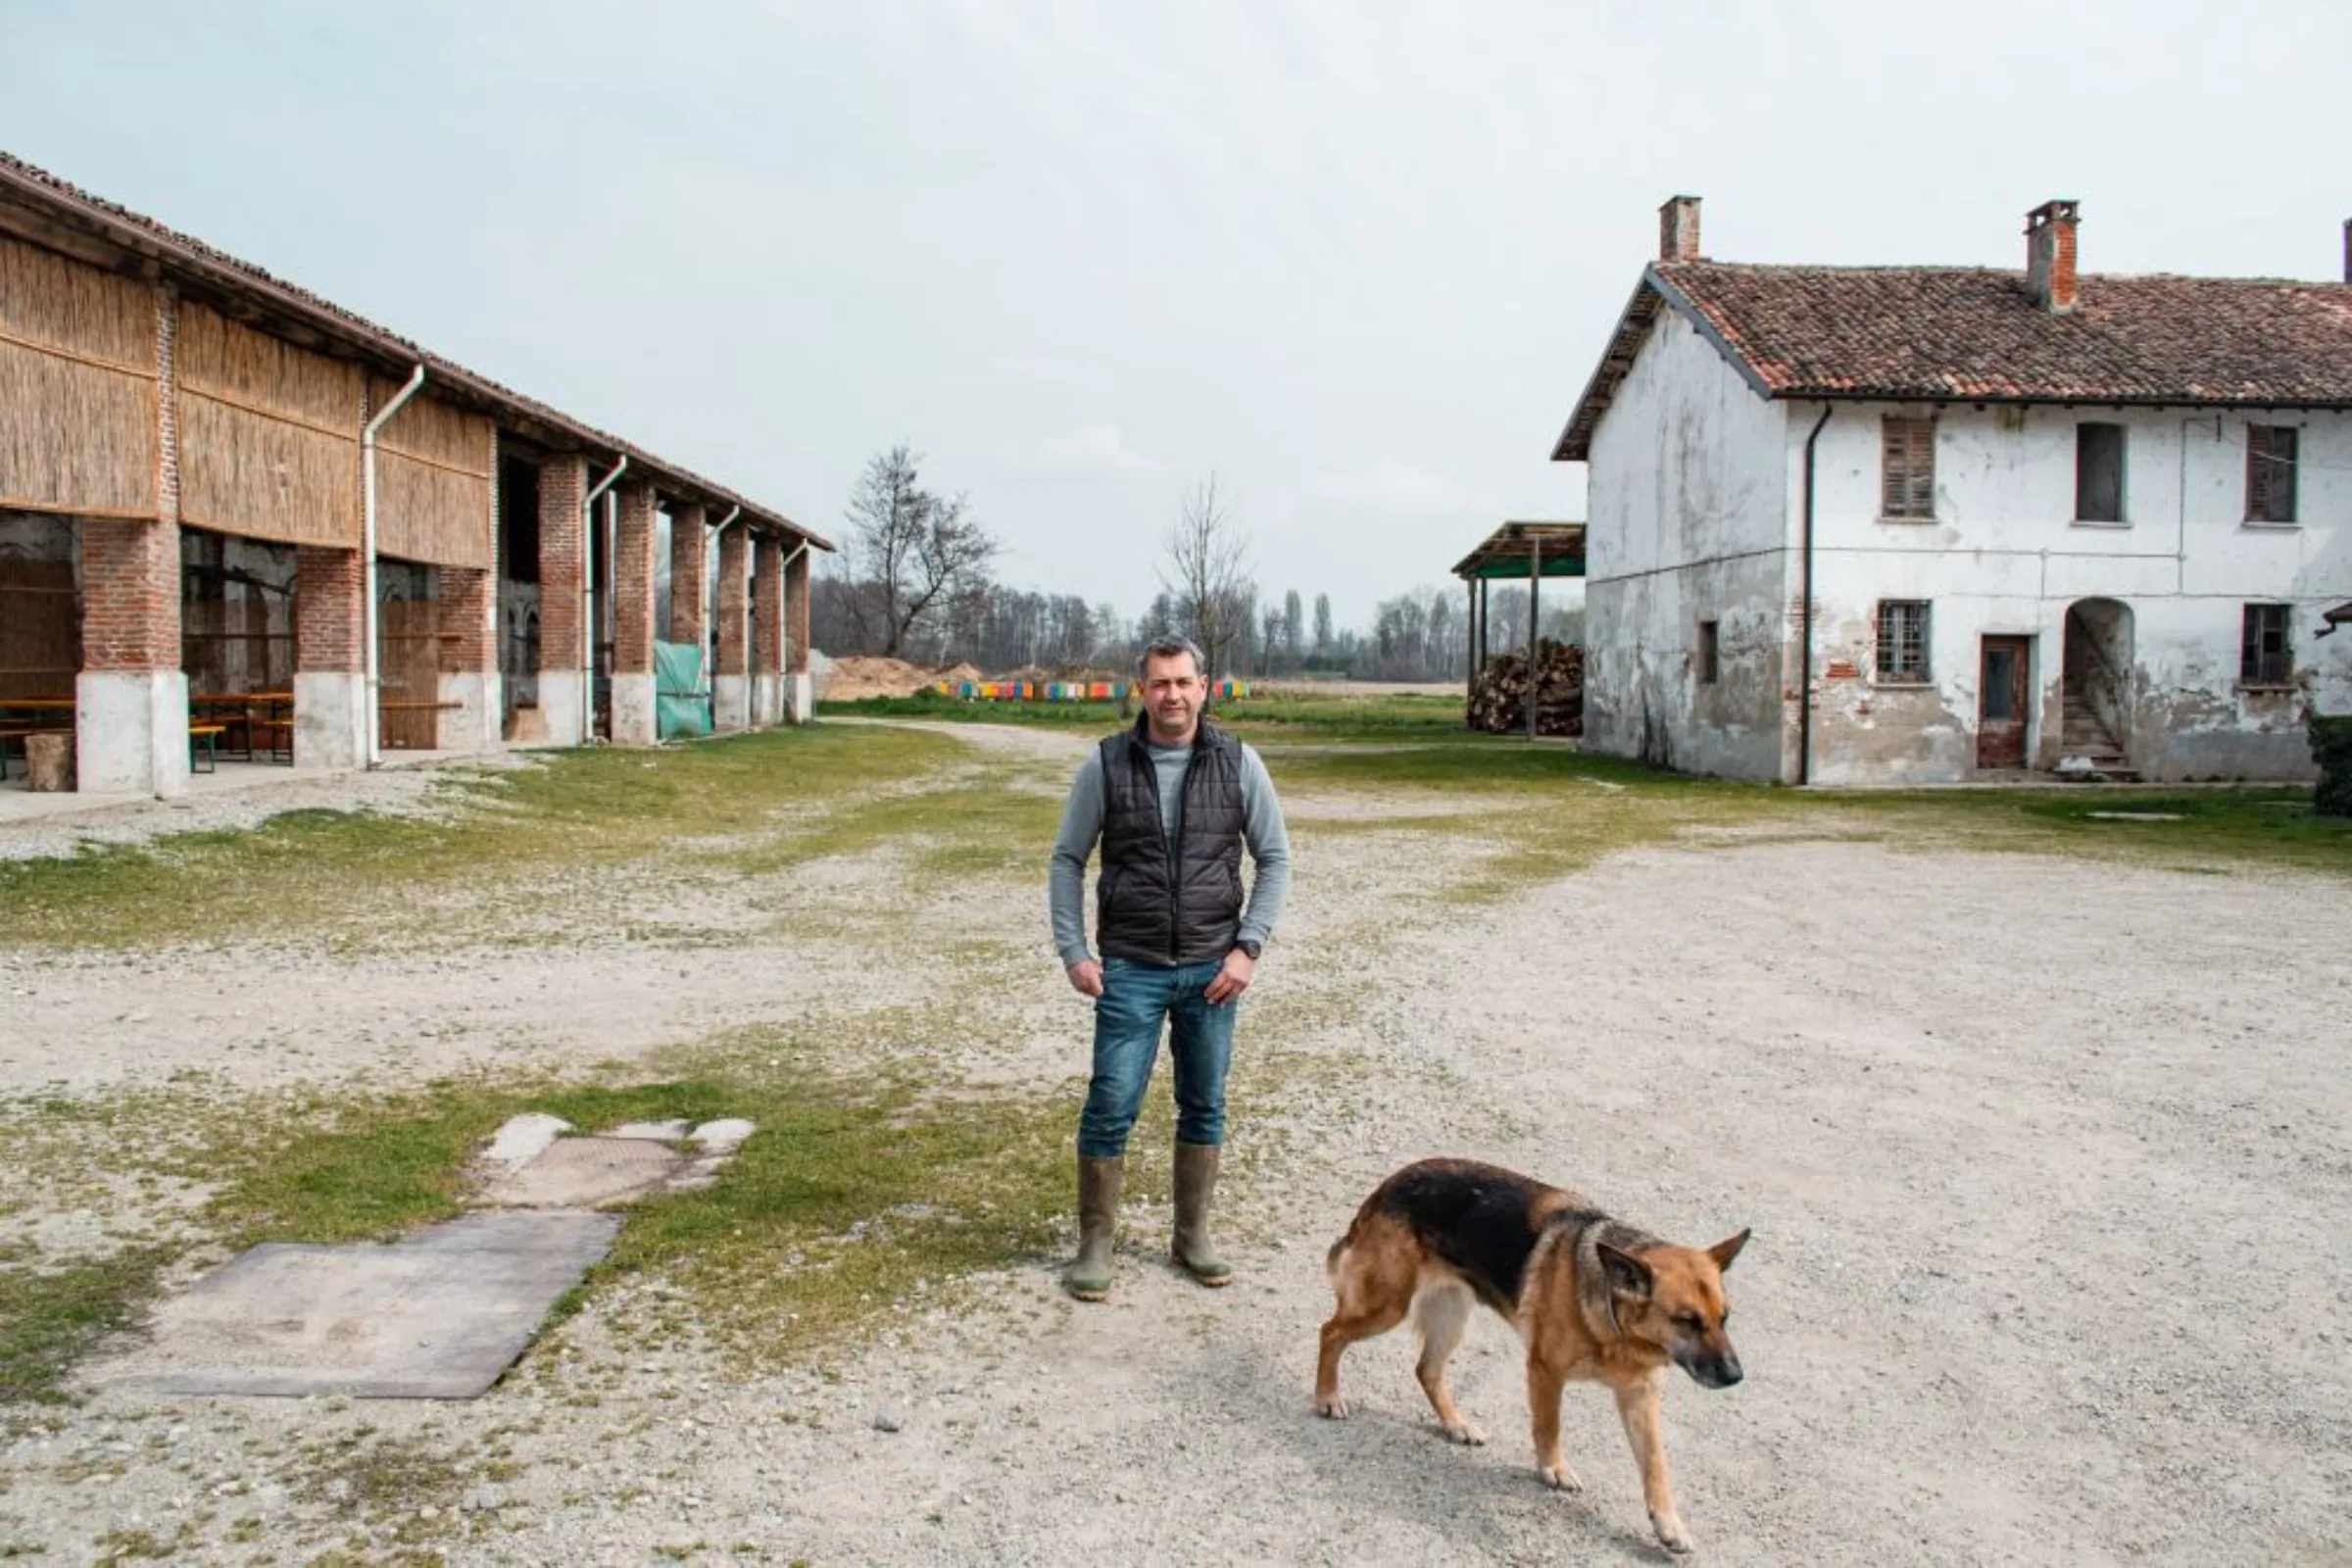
1263, 831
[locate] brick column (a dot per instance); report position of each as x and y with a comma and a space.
731, 687
633, 578
768, 630
330, 667
563, 534
469, 618
690, 577
131, 698
799, 695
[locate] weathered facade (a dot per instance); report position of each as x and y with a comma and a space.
219, 494
1889, 525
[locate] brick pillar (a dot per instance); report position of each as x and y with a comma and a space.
330, 667
468, 624
131, 698
731, 687
690, 576
768, 630
563, 534
632, 579
800, 696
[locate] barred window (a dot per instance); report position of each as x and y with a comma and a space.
1907, 469
2264, 656
2271, 472
1709, 665
1902, 639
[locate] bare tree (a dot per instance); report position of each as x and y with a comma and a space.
1206, 573
916, 553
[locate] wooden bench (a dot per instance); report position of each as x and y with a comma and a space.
210, 735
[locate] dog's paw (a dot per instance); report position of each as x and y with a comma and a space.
1333, 1407
1467, 1433
1671, 1534
1560, 1478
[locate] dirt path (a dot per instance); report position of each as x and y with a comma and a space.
2049, 1167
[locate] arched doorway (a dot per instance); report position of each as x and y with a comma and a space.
2097, 688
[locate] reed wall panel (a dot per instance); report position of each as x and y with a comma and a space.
435, 483
268, 435
77, 388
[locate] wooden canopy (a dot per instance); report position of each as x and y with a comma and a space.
1517, 551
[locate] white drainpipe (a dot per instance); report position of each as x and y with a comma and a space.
587, 609
371, 694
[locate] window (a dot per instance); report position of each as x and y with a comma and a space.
2263, 657
1907, 469
1708, 666
1903, 640
2098, 473
2271, 472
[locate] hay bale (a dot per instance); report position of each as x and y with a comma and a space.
49, 762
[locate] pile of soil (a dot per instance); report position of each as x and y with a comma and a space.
856, 678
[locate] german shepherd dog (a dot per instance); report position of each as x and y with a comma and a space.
1593, 1299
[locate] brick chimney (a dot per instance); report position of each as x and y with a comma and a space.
1677, 229
2050, 255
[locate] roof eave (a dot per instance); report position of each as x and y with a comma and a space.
168, 255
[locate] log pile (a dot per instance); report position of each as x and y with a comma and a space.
1499, 696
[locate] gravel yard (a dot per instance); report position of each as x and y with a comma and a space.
2048, 1159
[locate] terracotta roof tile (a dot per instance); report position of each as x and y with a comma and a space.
1974, 333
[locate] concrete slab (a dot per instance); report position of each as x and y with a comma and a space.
523, 1139
661, 1132
438, 1316
583, 1172
723, 1136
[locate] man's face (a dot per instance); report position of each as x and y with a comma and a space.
1172, 697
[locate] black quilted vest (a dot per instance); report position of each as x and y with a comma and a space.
1160, 902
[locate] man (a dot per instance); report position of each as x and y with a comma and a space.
1173, 801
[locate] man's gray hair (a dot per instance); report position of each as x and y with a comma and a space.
1169, 648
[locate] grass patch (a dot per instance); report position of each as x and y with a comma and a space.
1276, 712
353, 876
49, 1317
856, 1192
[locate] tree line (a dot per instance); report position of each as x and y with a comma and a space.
915, 580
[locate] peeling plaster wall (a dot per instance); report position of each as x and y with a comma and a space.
2005, 555
1689, 520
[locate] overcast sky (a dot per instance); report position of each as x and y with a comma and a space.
1357, 259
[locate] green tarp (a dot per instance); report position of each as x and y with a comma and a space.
681, 702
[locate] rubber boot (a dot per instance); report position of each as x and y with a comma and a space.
1088, 1277
1195, 1189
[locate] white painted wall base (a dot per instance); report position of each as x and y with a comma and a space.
730, 703
473, 725
633, 710
800, 699
331, 720
131, 733
560, 708
767, 701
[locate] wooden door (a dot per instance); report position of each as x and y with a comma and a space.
2003, 692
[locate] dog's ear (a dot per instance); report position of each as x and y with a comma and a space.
1725, 1251
1627, 1275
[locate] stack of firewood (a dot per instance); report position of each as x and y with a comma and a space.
1499, 696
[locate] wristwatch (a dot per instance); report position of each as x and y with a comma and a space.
1252, 948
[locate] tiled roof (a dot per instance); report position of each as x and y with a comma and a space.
179, 254
1974, 334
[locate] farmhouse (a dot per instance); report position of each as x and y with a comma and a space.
1890, 525
238, 520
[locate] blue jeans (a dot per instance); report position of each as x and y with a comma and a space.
1136, 998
